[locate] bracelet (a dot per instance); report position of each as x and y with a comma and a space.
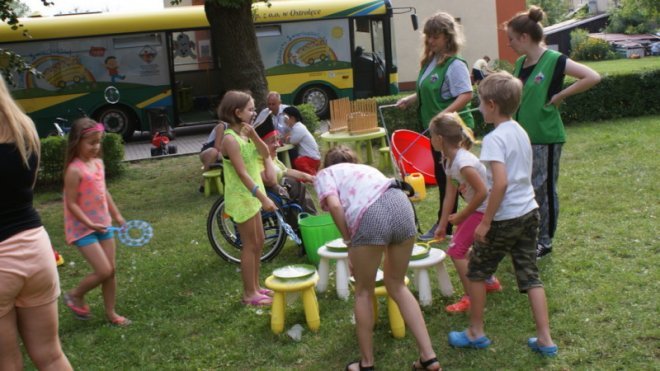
254, 190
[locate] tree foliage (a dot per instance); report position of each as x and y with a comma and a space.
10, 11
554, 9
635, 16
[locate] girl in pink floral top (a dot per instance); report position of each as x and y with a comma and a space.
375, 219
88, 211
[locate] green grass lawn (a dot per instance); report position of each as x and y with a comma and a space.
602, 279
618, 66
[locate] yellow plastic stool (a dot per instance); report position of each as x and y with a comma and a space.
310, 304
211, 179
386, 161
397, 325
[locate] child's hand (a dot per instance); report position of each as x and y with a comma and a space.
309, 178
456, 219
120, 220
440, 233
101, 228
267, 204
481, 232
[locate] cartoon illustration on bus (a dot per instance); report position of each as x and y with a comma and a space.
112, 65
61, 71
307, 50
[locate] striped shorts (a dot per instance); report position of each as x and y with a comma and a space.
389, 220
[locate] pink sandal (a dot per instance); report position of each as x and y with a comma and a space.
81, 313
258, 301
266, 292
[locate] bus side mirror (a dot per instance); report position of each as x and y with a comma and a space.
413, 18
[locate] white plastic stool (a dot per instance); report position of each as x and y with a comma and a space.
341, 274
422, 282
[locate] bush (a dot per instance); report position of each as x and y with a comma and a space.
53, 151
310, 119
585, 48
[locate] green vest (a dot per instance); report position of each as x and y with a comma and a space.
428, 94
541, 121
239, 202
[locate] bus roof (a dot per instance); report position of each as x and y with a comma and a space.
183, 17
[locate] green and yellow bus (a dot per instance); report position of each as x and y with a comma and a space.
126, 70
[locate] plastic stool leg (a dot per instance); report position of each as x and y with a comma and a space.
311, 306
424, 287
342, 279
207, 187
324, 273
443, 279
396, 320
277, 312
218, 185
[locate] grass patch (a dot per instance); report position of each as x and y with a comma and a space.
619, 66
601, 279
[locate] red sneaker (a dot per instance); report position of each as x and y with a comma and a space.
493, 285
463, 305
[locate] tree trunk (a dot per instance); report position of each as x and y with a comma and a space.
235, 44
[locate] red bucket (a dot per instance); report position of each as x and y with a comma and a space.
417, 157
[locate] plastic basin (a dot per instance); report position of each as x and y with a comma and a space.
416, 158
316, 230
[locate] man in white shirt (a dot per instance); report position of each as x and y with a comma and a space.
480, 69
276, 108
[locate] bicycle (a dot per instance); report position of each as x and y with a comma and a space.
220, 226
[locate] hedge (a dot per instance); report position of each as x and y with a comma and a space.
53, 150
622, 95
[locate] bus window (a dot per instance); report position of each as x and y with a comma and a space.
137, 41
191, 50
263, 31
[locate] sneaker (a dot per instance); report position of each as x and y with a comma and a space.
463, 305
493, 285
428, 236
542, 250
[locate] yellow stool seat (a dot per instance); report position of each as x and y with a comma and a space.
310, 304
212, 179
386, 162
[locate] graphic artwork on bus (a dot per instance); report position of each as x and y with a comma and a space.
59, 71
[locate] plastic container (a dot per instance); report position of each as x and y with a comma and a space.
316, 230
416, 180
416, 157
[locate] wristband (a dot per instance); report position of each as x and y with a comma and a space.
254, 190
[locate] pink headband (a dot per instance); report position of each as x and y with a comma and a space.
95, 128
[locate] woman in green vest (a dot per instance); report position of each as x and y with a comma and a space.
542, 72
443, 86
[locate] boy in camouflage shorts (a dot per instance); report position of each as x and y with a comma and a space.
511, 219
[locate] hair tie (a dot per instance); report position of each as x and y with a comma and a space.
93, 129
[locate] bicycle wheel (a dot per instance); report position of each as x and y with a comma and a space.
226, 241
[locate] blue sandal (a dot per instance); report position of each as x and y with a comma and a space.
547, 351
461, 340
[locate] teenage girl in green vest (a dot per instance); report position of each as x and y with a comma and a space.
245, 194
443, 86
542, 72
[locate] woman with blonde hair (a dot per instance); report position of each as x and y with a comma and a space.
443, 86
30, 284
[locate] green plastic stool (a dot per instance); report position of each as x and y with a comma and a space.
385, 157
212, 180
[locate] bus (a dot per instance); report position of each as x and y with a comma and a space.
131, 71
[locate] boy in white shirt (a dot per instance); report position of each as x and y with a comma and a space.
511, 219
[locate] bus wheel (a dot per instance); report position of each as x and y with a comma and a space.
118, 120
319, 97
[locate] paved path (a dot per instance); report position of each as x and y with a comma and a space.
188, 140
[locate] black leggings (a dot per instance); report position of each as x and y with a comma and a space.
441, 178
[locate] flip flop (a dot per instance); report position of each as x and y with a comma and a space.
120, 321
258, 301
81, 313
266, 292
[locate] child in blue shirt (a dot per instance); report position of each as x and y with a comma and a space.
511, 220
